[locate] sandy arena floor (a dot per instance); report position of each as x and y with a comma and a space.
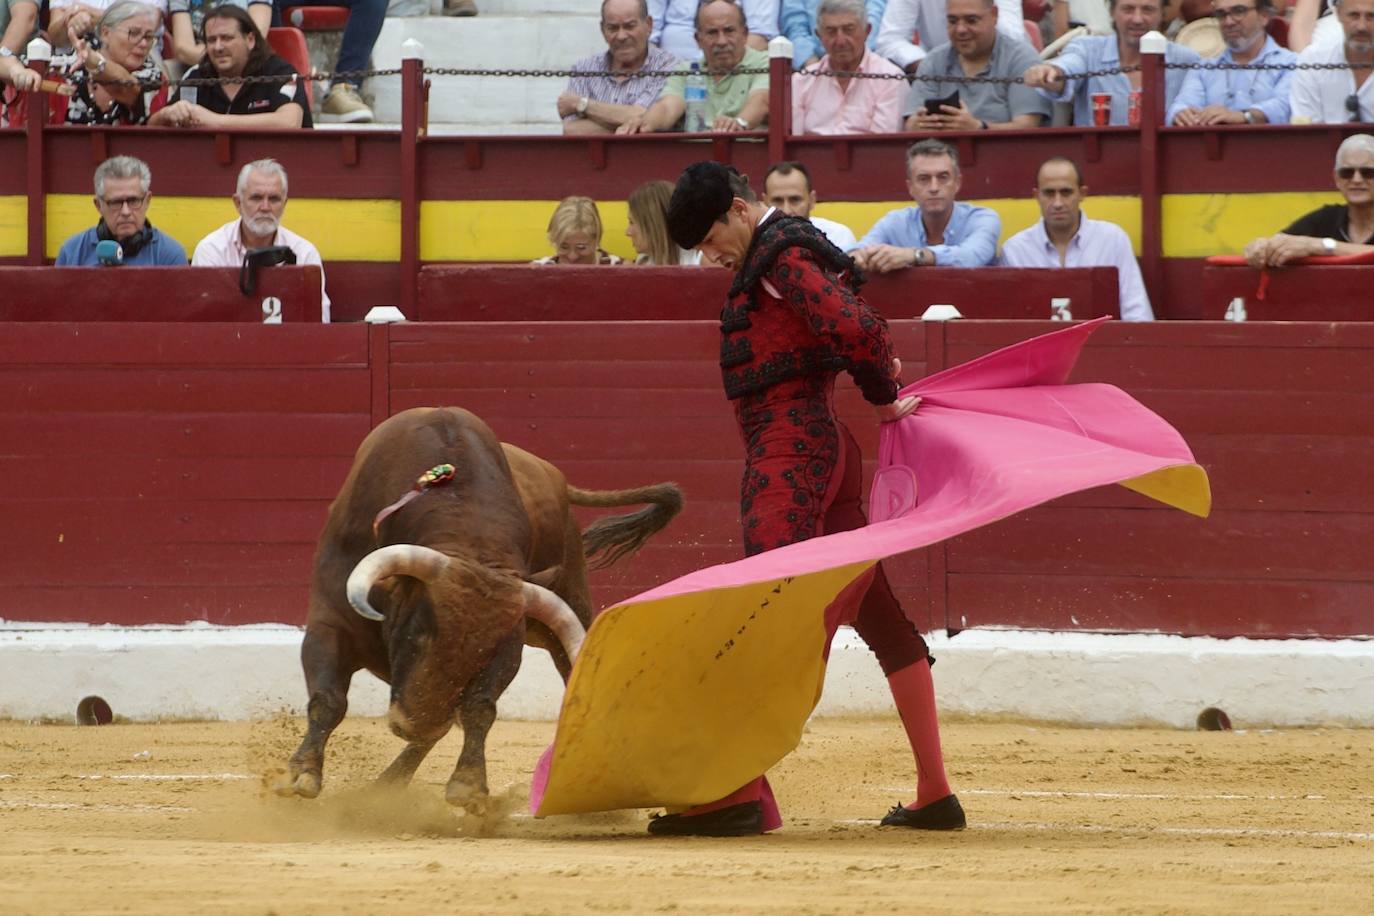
172, 818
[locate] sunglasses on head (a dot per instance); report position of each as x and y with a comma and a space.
1345, 173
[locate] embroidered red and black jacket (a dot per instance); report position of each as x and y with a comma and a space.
794, 310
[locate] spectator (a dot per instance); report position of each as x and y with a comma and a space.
121, 198
734, 101
18, 23
121, 83
1336, 229
260, 197
937, 231
787, 187
843, 104
1133, 18
975, 48
799, 20
188, 23
1064, 237
675, 25
1313, 22
82, 16
344, 104
647, 229
1219, 96
1332, 96
575, 233
235, 48
600, 104
925, 19
1090, 13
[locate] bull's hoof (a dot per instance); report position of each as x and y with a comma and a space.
306, 785
471, 798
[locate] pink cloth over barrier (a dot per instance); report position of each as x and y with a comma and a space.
992, 437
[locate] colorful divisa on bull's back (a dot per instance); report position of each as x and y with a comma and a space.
651, 715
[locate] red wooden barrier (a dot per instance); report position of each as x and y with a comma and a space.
518, 292
155, 294
1327, 292
159, 473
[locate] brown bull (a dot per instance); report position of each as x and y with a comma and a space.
440, 601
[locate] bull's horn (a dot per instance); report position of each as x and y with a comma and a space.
421, 563
554, 613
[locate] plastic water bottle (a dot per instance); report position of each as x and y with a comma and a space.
694, 94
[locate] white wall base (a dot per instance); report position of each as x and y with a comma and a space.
202, 671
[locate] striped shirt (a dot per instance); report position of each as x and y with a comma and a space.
628, 90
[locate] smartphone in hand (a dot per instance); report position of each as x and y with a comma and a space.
933, 106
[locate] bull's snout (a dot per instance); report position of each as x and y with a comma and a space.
404, 726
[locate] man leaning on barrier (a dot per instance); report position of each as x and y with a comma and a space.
235, 49
1215, 96
1336, 229
799, 20
1062, 79
938, 230
845, 104
975, 49
600, 104
260, 197
734, 101
122, 195
1345, 93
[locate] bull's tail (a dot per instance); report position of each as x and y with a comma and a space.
608, 539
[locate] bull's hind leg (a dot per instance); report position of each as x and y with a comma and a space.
403, 768
467, 787
328, 672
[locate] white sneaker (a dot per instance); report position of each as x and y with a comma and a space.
343, 105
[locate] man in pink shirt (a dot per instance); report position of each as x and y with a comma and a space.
842, 104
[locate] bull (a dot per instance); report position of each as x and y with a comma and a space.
438, 597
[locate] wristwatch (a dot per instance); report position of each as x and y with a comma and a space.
743, 124
1249, 118
100, 67
1329, 246
5, 52
582, 105
919, 256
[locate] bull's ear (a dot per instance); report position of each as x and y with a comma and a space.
545, 578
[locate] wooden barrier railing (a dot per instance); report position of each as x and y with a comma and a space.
160, 472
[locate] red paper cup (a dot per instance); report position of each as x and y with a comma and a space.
1102, 108
1133, 112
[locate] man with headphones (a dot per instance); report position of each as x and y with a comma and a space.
121, 198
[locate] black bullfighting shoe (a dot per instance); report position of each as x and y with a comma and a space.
744, 819
945, 814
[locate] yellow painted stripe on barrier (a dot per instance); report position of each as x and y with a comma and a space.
14, 226
1198, 225
343, 230
515, 230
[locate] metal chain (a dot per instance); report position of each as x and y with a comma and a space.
1206, 65
940, 78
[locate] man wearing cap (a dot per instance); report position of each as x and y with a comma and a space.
791, 322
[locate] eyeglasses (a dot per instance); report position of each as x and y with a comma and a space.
136, 36
258, 199
1345, 173
1231, 12
119, 203
1352, 105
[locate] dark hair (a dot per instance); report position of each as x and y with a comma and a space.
787, 167
261, 51
1064, 160
703, 196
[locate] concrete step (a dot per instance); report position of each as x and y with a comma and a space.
520, 104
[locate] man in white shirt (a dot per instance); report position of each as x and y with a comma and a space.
1333, 96
261, 200
925, 20
787, 186
1067, 238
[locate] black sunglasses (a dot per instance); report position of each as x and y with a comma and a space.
1352, 105
1345, 173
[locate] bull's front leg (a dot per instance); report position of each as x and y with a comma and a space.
467, 787
403, 768
328, 672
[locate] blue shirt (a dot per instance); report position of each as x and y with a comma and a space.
1100, 52
970, 236
161, 251
1240, 90
797, 20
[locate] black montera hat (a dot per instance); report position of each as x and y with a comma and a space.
701, 197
